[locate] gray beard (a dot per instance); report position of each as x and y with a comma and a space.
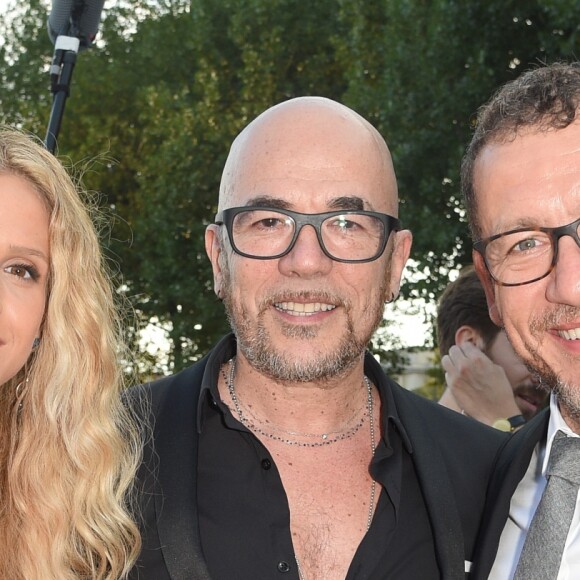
257, 346
258, 350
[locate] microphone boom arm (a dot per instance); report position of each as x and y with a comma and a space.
66, 49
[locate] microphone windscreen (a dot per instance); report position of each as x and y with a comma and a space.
90, 18
59, 18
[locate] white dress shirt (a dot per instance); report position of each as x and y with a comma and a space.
523, 506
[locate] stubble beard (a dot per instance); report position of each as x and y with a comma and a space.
567, 392
257, 346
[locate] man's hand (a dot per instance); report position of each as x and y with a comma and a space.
479, 386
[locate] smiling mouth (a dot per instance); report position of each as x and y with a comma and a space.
572, 334
303, 309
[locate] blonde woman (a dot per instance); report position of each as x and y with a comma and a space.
68, 450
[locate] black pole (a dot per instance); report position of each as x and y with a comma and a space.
63, 63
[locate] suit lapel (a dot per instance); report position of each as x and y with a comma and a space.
176, 443
509, 471
441, 506
436, 487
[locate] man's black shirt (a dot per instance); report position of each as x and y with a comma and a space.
244, 518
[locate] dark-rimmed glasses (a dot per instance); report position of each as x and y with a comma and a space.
524, 255
266, 233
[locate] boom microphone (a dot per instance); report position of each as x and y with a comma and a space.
72, 26
78, 18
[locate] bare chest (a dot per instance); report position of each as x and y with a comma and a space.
331, 498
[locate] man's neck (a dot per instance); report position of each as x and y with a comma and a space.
317, 407
571, 419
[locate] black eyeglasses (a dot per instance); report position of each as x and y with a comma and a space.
267, 233
524, 255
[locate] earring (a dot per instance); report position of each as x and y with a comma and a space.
35, 343
391, 299
19, 393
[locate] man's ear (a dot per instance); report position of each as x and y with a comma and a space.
488, 286
401, 249
467, 333
214, 249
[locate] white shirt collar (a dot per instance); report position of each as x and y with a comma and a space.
557, 423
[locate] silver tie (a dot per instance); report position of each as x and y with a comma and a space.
542, 552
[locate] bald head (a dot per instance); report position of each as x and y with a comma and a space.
306, 142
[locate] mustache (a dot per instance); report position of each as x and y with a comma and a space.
559, 315
322, 296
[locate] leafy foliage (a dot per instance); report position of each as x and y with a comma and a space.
437, 63
156, 103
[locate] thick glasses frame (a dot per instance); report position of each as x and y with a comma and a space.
555, 234
226, 217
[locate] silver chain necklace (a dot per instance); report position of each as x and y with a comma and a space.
324, 438
341, 436
347, 431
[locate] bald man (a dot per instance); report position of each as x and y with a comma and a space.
287, 452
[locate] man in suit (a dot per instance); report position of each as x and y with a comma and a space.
494, 385
521, 181
286, 452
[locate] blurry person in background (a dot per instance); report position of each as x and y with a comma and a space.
68, 449
484, 377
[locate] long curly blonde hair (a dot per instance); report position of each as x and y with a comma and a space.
68, 447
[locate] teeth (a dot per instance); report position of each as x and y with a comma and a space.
301, 309
572, 334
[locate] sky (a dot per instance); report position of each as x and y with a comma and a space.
4, 4
409, 327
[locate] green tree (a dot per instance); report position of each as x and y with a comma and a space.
25, 56
156, 103
422, 70
159, 108
234, 62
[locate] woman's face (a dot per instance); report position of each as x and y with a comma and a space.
24, 267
